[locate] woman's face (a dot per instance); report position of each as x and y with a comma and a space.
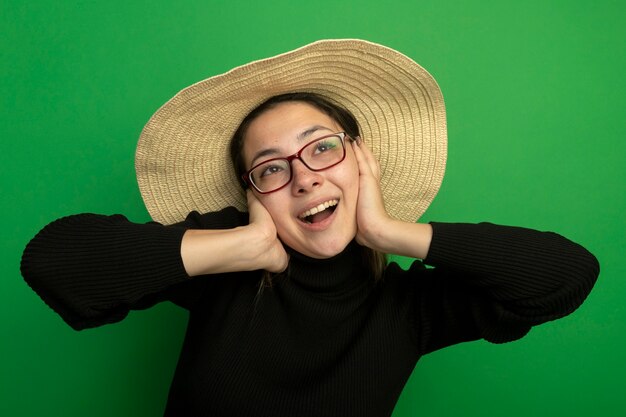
282, 131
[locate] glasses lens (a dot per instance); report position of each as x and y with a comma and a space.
317, 155
271, 175
323, 153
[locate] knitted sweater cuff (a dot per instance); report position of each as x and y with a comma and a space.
133, 261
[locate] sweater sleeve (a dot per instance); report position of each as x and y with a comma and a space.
496, 282
93, 269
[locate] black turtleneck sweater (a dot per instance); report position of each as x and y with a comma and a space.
325, 339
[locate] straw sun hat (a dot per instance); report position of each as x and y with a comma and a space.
183, 161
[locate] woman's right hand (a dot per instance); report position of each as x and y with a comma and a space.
270, 252
245, 248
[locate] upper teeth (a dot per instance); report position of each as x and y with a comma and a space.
318, 208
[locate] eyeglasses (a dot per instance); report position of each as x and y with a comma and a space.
318, 155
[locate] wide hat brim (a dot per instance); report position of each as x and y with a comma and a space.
183, 161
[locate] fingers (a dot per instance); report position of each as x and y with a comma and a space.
371, 214
361, 159
368, 164
273, 256
251, 198
255, 208
252, 203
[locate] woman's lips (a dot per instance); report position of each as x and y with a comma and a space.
309, 215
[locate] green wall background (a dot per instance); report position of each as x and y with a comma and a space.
534, 94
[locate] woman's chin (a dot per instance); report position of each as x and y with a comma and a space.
324, 250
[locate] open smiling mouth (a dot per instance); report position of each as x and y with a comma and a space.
319, 213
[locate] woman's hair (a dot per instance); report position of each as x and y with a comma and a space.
344, 118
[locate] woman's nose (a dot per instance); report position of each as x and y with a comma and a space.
303, 179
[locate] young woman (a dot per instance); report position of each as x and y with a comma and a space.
293, 310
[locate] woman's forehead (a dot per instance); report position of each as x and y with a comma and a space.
286, 125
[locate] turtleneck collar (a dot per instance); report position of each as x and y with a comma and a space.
339, 273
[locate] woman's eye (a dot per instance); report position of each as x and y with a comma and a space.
272, 169
324, 146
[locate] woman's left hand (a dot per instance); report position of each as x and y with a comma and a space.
376, 229
371, 215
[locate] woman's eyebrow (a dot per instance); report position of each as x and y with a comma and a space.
308, 132
264, 152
